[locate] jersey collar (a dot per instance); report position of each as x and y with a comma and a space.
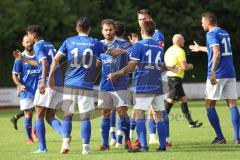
82, 34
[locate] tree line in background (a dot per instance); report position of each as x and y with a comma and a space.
58, 18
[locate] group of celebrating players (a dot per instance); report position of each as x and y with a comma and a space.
45, 84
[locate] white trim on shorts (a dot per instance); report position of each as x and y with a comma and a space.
26, 104
226, 88
145, 101
114, 99
81, 98
49, 99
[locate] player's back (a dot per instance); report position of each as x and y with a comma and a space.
81, 53
220, 37
148, 77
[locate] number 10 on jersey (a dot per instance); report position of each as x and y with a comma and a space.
77, 62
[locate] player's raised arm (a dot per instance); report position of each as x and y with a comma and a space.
115, 52
124, 71
197, 48
17, 55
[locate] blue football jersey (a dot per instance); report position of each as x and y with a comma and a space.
147, 76
44, 49
29, 76
114, 63
81, 53
218, 36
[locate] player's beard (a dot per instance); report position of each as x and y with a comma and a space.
29, 48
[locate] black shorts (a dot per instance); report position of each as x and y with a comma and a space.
175, 88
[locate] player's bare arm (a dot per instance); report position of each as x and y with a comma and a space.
17, 55
115, 52
98, 69
216, 59
43, 76
17, 82
55, 62
127, 69
197, 48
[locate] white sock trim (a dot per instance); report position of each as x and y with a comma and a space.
112, 129
120, 133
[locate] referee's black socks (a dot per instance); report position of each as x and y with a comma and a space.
186, 113
19, 115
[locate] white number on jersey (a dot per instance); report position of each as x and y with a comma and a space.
50, 53
84, 55
157, 59
226, 43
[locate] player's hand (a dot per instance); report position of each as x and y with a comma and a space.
22, 88
190, 66
51, 82
133, 38
213, 78
195, 47
115, 52
18, 93
42, 88
112, 76
17, 55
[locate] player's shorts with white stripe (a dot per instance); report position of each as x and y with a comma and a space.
81, 98
144, 101
110, 100
52, 98
26, 104
226, 88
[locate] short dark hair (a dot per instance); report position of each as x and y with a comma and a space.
148, 27
119, 28
211, 17
108, 22
144, 11
35, 29
83, 24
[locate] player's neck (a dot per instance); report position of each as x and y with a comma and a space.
144, 36
109, 41
82, 34
212, 27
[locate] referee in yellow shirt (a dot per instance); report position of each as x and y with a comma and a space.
175, 55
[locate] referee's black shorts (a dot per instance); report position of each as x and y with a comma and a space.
175, 88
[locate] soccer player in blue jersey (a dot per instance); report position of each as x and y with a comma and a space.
119, 32
221, 76
44, 52
113, 95
146, 55
25, 77
145, 15
80, 53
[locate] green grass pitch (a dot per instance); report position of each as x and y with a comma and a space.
188, 143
